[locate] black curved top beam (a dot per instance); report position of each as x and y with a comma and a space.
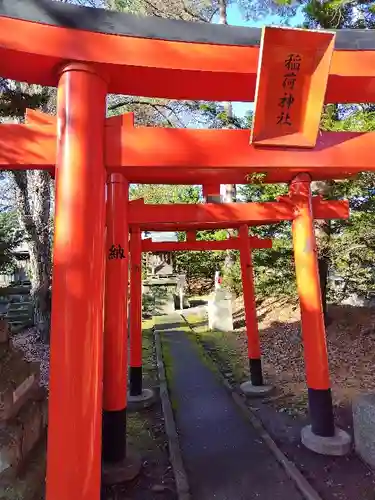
115, 23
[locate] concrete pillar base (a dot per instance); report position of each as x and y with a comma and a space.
144, 400
338, 445
124, 471
255, 391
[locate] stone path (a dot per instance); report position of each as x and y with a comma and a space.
224, 456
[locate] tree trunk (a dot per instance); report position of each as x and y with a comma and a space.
223, 12
323, 264
323, 227
34, 193
230, 189
33, 199
323, 241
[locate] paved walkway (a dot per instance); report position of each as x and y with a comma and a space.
224, 456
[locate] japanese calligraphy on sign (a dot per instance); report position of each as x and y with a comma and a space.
293, 71
292, 65
116, 252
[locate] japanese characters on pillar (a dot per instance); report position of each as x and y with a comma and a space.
291, 84
116, 252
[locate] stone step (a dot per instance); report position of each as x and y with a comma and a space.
21, 308
18, 320
29, 485
25, 318
20, 436
17, 306
24, 297
15, 314
19, 315
15, 290
19, 312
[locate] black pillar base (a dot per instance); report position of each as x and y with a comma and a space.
256, 376
114, 436
135, 380
321, 412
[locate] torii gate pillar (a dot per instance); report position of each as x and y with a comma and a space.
139, 397
119, 463
321, 436
75, 404
115, 321
255, 386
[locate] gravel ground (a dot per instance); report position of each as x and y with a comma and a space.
350, 343
145, 429
34, 350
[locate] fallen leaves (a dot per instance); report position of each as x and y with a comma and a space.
350, 344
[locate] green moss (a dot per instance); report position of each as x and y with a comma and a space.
147, 324
221, 348
204, 356
168, 365
149, 369
139, 432
139, 425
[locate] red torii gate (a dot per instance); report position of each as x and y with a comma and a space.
245, 244
147, 217
133, 61
212, 216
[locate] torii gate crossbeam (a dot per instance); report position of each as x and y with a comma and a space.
188, 156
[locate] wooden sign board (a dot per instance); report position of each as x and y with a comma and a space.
292, 78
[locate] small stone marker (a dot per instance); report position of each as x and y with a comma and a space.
220, 312
364, 427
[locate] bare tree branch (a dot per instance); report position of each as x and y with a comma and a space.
192, 14
155, 106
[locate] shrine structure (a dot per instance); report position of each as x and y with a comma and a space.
89, 53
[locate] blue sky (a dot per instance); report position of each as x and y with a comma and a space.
235, 18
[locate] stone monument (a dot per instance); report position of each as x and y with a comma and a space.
364, 427
220, 311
